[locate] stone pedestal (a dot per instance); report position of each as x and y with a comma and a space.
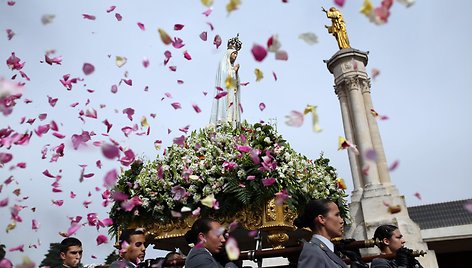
373, 190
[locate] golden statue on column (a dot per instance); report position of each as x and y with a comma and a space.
338, 27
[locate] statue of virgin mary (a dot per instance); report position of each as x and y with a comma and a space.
227, 108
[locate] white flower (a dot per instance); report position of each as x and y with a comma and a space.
267, 140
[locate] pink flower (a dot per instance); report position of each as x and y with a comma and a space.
179, 192
268, 181
244, 149
229, 165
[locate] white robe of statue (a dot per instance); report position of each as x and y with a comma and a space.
227, 108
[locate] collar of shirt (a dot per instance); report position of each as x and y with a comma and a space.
326, 241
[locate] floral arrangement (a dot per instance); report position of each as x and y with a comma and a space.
220, 171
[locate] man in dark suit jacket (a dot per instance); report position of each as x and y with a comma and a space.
201, 257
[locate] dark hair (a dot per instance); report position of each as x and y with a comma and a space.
314, 208
126, 234
69, 242
384, 231
201, 225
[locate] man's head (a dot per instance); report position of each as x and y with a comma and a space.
71, 252
132, 242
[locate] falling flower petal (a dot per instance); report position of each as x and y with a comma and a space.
375, 72
34, 224
4, 202
259, 74
164, 36
18, 248
118, 16
259, 52
110, 151
110, 9
47, 19
341, 183
232, 249
207, 12
262, 106
141, 26
11, 33
371, 155
88, 68
177, 43
196, 108
393, 209
345, 144
468, 206
88, 17
315, 122
217, 41
196, 212
417, 195
120, 61
207, 3
178, 27
129, 112
294, 119
209, 201
204, 36
394, 165
176, 105
339, 3
232, 5
101, 239
110, 178
309, 38
73, 229
5, 158
281, 55
146, 62
221, 95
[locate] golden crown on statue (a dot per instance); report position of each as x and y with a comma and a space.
235, 43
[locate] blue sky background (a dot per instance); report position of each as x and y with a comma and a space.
423, 53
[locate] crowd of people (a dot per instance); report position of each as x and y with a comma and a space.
207, 238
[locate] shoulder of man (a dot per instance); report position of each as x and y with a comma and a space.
382, 263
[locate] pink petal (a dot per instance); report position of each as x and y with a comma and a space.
281, 55
101, 239
232, 249
178, 27
146, 62
141, 26
18, 248
207, 12
339, 3
196, 108
294, 119
211, 26
259, 52
176, 105
58, 202
129, 82
371, 155
10, 34
468, 206
394, 165
110, 178
88, 17
275, 76
114, 89
21, 165
221, 95
110, 9
72, 195
179, 140
34, 224
73, 229
204, 36
5, 158
88, 68
262, 106
108, 124
118, 16
196, 212
187, 55
92, 113
244, 84
129, 112
177, 43
268, 181
4, 202
417, 195
173, 68
217, 41
251, 178
128, 159
244, 149
110, 151
52, 101
74, 104
42, 116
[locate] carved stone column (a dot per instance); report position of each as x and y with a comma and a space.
372, 184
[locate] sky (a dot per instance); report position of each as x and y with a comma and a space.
422, 52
